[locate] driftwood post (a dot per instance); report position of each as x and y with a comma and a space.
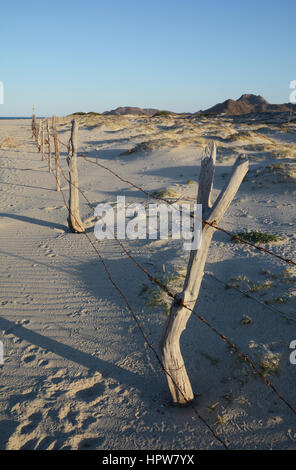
49, 147
39, 137
178, 381
74, 221
34, 125
57, 152
42, 141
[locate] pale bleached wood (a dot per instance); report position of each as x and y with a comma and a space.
42, 141
49, 147
39, 136
34, 128
207, 171
57, 152
173, 363
74, 220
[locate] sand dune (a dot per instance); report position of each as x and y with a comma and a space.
77, 374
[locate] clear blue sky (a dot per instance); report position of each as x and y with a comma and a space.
182, 55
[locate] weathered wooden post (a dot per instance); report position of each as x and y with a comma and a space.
178, 380
42, 141
57, 152
34, 126
39, 137
49, 147
74, 221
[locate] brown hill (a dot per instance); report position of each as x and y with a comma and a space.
248, 103
131, 110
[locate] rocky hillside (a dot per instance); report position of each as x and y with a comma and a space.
248, 103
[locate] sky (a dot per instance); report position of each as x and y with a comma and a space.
65, 56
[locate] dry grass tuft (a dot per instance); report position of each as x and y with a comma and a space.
9, 142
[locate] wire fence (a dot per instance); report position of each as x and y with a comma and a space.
175, 296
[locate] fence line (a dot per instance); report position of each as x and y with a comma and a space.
149, 344
174, 296
233, 236
179, 301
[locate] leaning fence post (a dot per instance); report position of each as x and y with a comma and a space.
74, 221
173, 363
49, 147
57, 152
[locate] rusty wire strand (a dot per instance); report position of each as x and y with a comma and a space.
212, 224
233, 346
149, 344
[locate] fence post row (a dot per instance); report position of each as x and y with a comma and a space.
178, 380
171, 358
49, 147
74, 220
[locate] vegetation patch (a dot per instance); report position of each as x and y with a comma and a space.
256, 237
156, 298
165, 193
162, 113
269, 365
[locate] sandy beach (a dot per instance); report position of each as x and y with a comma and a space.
77, 373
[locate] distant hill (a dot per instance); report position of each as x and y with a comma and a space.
246, 104
131, 110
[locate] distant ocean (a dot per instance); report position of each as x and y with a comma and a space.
16, 117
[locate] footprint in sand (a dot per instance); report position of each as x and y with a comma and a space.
67, 405
80, 442
48, 251
31, 423
28, 358
90, 390
90, 443
9, 331
44, 363
89, 394
30, 354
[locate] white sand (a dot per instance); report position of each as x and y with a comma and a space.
77, 374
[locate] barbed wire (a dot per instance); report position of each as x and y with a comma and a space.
249, 296
178, 301
149, 344
213, 224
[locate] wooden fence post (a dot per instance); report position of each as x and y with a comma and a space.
39, 136
57, 152
34, 126
42, 141
74, 221
178, 380
49, 147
